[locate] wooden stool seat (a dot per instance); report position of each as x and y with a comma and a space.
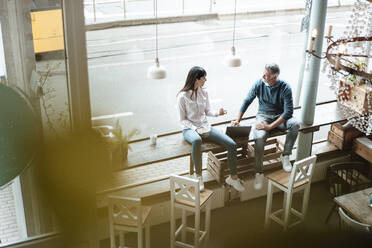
204, 196
282, 177
129, 222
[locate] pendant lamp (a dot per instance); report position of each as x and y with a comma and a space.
233, 60
156, 71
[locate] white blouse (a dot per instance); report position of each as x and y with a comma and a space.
194, 111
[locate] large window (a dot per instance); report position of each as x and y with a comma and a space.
118, 59
39, 70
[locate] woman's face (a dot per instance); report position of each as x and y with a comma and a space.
200, 82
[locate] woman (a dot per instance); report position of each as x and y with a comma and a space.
194, 107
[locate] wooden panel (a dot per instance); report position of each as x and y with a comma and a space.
356, 205
219, 168
338, 141
347, 134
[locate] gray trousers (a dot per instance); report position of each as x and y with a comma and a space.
260, 136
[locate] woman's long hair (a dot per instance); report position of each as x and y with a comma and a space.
195, 73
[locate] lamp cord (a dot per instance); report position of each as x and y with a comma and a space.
234, 25
156, 27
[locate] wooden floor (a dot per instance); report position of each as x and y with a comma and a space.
241, 224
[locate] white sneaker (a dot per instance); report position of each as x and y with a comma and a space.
258, 181
287, 166
235, 183
201, 183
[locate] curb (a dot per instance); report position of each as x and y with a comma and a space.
189, 18
148, 21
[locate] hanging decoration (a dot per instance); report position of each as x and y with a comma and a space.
156, 71
233, 60
349, 64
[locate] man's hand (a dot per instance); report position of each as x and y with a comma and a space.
222, 111
263, 126
235, 123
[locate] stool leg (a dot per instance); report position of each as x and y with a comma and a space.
121, 239
191, 165
112, 236
197, 228
305, 201
184, 224
229, 194
333, 209
147, 235
287, 209
284, 199
140, 237
208, 219
173, 226
268, 204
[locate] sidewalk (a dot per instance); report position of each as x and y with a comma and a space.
138, 11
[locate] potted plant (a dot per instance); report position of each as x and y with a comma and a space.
118, 142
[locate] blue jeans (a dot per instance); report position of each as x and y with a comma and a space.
215, 136
260, 136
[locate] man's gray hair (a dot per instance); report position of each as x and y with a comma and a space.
273, 68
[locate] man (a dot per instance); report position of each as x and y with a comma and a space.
275, 111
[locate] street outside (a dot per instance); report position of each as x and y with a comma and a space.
100, 11
118, 59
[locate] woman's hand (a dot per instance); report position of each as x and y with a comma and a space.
235, 123
222, 111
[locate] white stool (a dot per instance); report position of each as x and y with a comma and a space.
298, 179
128, 215
185, 195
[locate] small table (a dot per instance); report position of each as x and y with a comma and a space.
356, 204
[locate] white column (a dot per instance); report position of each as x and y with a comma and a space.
310, 87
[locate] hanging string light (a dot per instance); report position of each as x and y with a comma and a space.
156, 71
233, 60
347, 59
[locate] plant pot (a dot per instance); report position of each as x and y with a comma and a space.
125, 153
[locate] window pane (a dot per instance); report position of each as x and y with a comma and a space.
39, 70
119, 58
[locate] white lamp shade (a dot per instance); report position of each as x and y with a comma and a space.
156, 71
233, 60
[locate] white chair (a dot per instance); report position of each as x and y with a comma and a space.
348, 223
185, 195
298, 179
128, 215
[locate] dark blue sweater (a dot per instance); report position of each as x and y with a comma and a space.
276, 100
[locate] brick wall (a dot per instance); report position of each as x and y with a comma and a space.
9, 231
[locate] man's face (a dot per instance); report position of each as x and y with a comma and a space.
269, 77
